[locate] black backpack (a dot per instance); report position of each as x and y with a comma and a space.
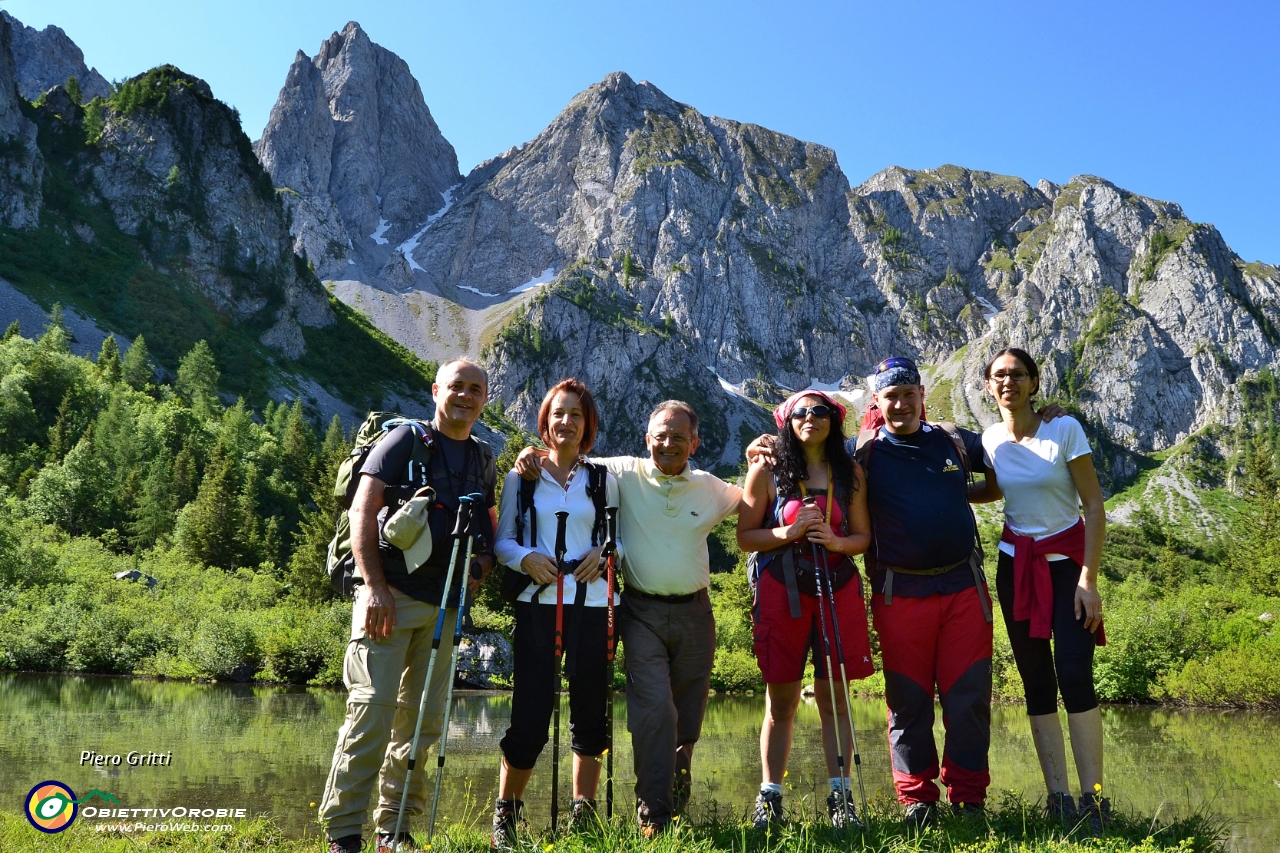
514, 583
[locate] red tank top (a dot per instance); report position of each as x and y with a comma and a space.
791, 508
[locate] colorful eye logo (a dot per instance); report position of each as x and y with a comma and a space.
51, 806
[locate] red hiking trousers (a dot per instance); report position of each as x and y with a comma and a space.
942, 640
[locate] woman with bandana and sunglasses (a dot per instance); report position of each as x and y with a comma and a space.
790, 534
1047, 578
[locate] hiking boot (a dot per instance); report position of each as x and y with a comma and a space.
506, 814
919, 815
968, 810
1095, 810
387, 844
842, 812
768, 810
1060, 808
584, 816
346, 844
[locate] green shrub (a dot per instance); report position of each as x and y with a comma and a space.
225, 648
1244, 676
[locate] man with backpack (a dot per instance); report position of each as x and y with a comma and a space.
396, 606
930, 604
668, 631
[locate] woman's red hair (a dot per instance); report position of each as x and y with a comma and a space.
590, 416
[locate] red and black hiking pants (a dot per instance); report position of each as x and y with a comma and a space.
941, 640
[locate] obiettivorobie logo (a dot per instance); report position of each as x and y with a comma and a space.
52, 806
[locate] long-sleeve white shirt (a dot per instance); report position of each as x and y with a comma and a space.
549, 498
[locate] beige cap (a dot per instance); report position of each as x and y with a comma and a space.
409, 530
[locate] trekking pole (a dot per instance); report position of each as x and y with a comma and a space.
611, 555
460, 526
844, 685
562, 518
459, 618
819, 569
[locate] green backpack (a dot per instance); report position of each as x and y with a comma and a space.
340, 561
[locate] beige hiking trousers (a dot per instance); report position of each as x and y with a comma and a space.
384, 686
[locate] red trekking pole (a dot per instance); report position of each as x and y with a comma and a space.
562, 519
611, 559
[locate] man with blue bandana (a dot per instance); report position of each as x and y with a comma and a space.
930, 605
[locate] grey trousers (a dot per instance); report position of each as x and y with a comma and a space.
670, 649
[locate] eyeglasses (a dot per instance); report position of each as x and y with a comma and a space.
1015, 375
894, 363
818, 411
674, 438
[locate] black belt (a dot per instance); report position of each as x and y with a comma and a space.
666, 599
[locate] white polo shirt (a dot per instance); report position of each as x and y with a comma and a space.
665, 520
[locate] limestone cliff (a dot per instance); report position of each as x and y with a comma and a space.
46, 58
21, 168
351, 136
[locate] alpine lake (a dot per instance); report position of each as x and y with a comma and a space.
267, 750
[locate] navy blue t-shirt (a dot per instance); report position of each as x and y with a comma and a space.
457, 468
919, 505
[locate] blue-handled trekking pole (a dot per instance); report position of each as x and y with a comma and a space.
611, 560
562, 519
459, 529
453, 661
819, 569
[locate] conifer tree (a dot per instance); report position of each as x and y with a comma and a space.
211, 523
198, 378
1254, 553
56, 338
135, 368
14, 330
109, 360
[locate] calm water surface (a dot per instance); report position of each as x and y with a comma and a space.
267, 749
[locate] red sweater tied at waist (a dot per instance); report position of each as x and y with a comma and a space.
1032, 586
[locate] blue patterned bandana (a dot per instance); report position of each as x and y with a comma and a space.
895, 371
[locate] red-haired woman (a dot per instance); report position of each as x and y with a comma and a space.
809, 459
1047, 577
526, 542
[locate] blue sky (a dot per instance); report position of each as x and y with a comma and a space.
1175, 100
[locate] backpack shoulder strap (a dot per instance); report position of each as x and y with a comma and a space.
953, 433
524, 503
597, 488
862, 448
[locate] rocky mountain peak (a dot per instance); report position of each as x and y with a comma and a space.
352, 136
46, 58
21, 167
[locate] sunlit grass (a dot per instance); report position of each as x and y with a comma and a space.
1011, 825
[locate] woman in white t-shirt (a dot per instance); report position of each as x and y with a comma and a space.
1047, 577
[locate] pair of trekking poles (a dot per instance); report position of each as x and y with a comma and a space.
462, 530
610, 556
827, 597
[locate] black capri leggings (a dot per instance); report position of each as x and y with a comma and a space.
1069, 664
533, 692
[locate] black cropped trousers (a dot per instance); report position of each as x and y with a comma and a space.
1067, 665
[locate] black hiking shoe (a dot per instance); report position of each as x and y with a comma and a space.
584, 817
919, 815
346, 844
387, 843
968, 810
506, 815
1060, 808
768, 810
842, 812
1095, 810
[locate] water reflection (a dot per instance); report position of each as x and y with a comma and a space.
267, 749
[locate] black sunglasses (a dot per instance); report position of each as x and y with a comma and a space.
818, 411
